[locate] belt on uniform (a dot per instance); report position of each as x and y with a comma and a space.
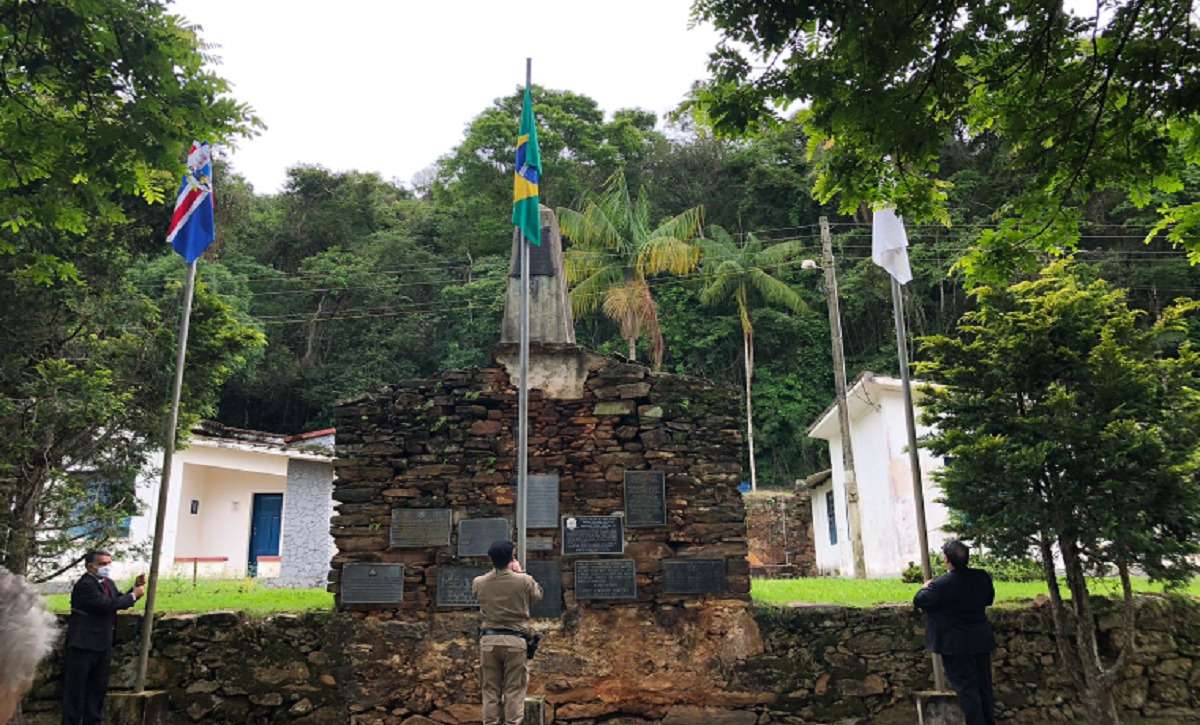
532, 639
503, 632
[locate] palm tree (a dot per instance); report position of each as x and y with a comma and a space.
743, 275
613, 252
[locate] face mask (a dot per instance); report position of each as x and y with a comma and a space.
103, 572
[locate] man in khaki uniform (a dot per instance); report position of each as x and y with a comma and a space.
505, 595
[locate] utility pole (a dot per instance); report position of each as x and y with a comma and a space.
853, 514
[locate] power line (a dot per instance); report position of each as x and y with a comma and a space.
357, 313
287, 278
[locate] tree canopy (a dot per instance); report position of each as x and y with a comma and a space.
98, 103
1081, 104
616, 247
1070, 426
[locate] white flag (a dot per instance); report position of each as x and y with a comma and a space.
889, 245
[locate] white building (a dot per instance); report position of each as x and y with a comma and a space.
241, 503
880, 441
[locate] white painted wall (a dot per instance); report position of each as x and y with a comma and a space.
880, 439
829, 556
218, 474
221, 528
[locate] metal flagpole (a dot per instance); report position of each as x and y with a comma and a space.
523, 386
939, 676
165, 483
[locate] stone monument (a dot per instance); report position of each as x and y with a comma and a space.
638, 528
556, 363
550, 318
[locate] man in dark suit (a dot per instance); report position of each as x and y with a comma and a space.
95, 601
957, 628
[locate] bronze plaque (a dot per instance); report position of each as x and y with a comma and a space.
372, 583
419, 528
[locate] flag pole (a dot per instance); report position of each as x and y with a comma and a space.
914, 459
523, 385
165, 483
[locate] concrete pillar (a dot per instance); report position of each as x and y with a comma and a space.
537, 711
137, 708
938, 708
550, 319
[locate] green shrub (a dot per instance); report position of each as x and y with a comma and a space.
912, 573
1001, 569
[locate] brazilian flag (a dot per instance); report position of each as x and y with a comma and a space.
526, 213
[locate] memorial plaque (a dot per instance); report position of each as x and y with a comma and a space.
645, 499
541, 259
476, 536
420, 528
593, 535
548, 573
372, 583
543, 501
539, 543
606, 579
454, 585
694, 576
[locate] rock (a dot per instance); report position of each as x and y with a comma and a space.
460, 714
613, 407
202, 687
650, 411
267, 699
303, 707
689, 715
485, 427
219, 620
869, 685
323, 716
289, 673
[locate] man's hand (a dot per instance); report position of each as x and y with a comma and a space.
927, 583
515, 567
138, 591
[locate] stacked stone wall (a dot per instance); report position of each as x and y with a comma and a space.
779, 528
448, 442
728, 663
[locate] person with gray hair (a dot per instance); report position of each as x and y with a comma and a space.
27, 634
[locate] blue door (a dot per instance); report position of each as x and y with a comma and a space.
264, 527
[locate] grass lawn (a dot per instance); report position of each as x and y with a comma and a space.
869, 592
178, 595
247, 595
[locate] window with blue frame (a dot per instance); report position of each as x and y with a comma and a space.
93, 511
831, 516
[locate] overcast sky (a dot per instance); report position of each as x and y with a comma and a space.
390, 86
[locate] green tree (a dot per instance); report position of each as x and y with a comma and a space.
98, 101
347, 320
1083, 103
83, 397
615, 249
1070, 427
759, 183
744, 274
473, 185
